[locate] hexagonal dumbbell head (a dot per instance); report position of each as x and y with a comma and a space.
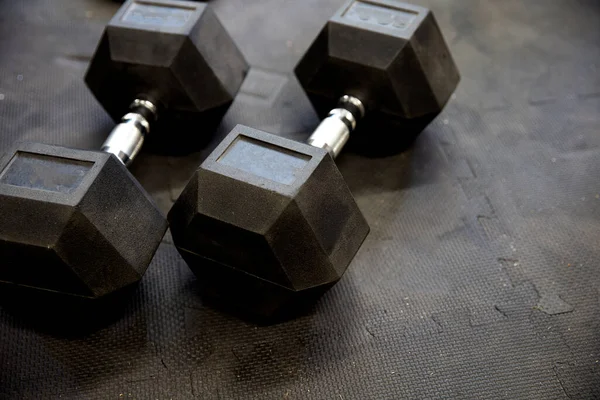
174, 53
390, 55
267, 223
74, 222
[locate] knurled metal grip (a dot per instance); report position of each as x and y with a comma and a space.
127, 138
334, 131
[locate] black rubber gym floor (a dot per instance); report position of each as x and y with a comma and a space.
480, 277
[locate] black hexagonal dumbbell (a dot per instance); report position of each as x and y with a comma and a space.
268, 223
174, 64
388, 57
76, 222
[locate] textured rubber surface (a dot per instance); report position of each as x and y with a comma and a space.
480, 278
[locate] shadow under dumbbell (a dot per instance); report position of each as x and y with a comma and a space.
229, 307
255, 301
377, 136
185, 136
58, 314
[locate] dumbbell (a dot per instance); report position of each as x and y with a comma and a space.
175, 57
279, 225
76, 222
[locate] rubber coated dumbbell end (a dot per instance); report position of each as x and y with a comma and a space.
74, 222
266, 222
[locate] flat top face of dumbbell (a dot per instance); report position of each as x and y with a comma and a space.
388, 17
390, 55
264, 160
170, 16
50, 174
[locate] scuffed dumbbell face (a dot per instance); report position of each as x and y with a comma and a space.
266, 222
390, 55
74, 222
174, 53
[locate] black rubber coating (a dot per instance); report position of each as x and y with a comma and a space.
267, 223
73, 222
176, 53
393, 57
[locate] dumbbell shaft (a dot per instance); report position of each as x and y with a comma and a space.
127, 138
333, 132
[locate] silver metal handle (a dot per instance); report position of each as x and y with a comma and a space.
127, 138
334, 131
